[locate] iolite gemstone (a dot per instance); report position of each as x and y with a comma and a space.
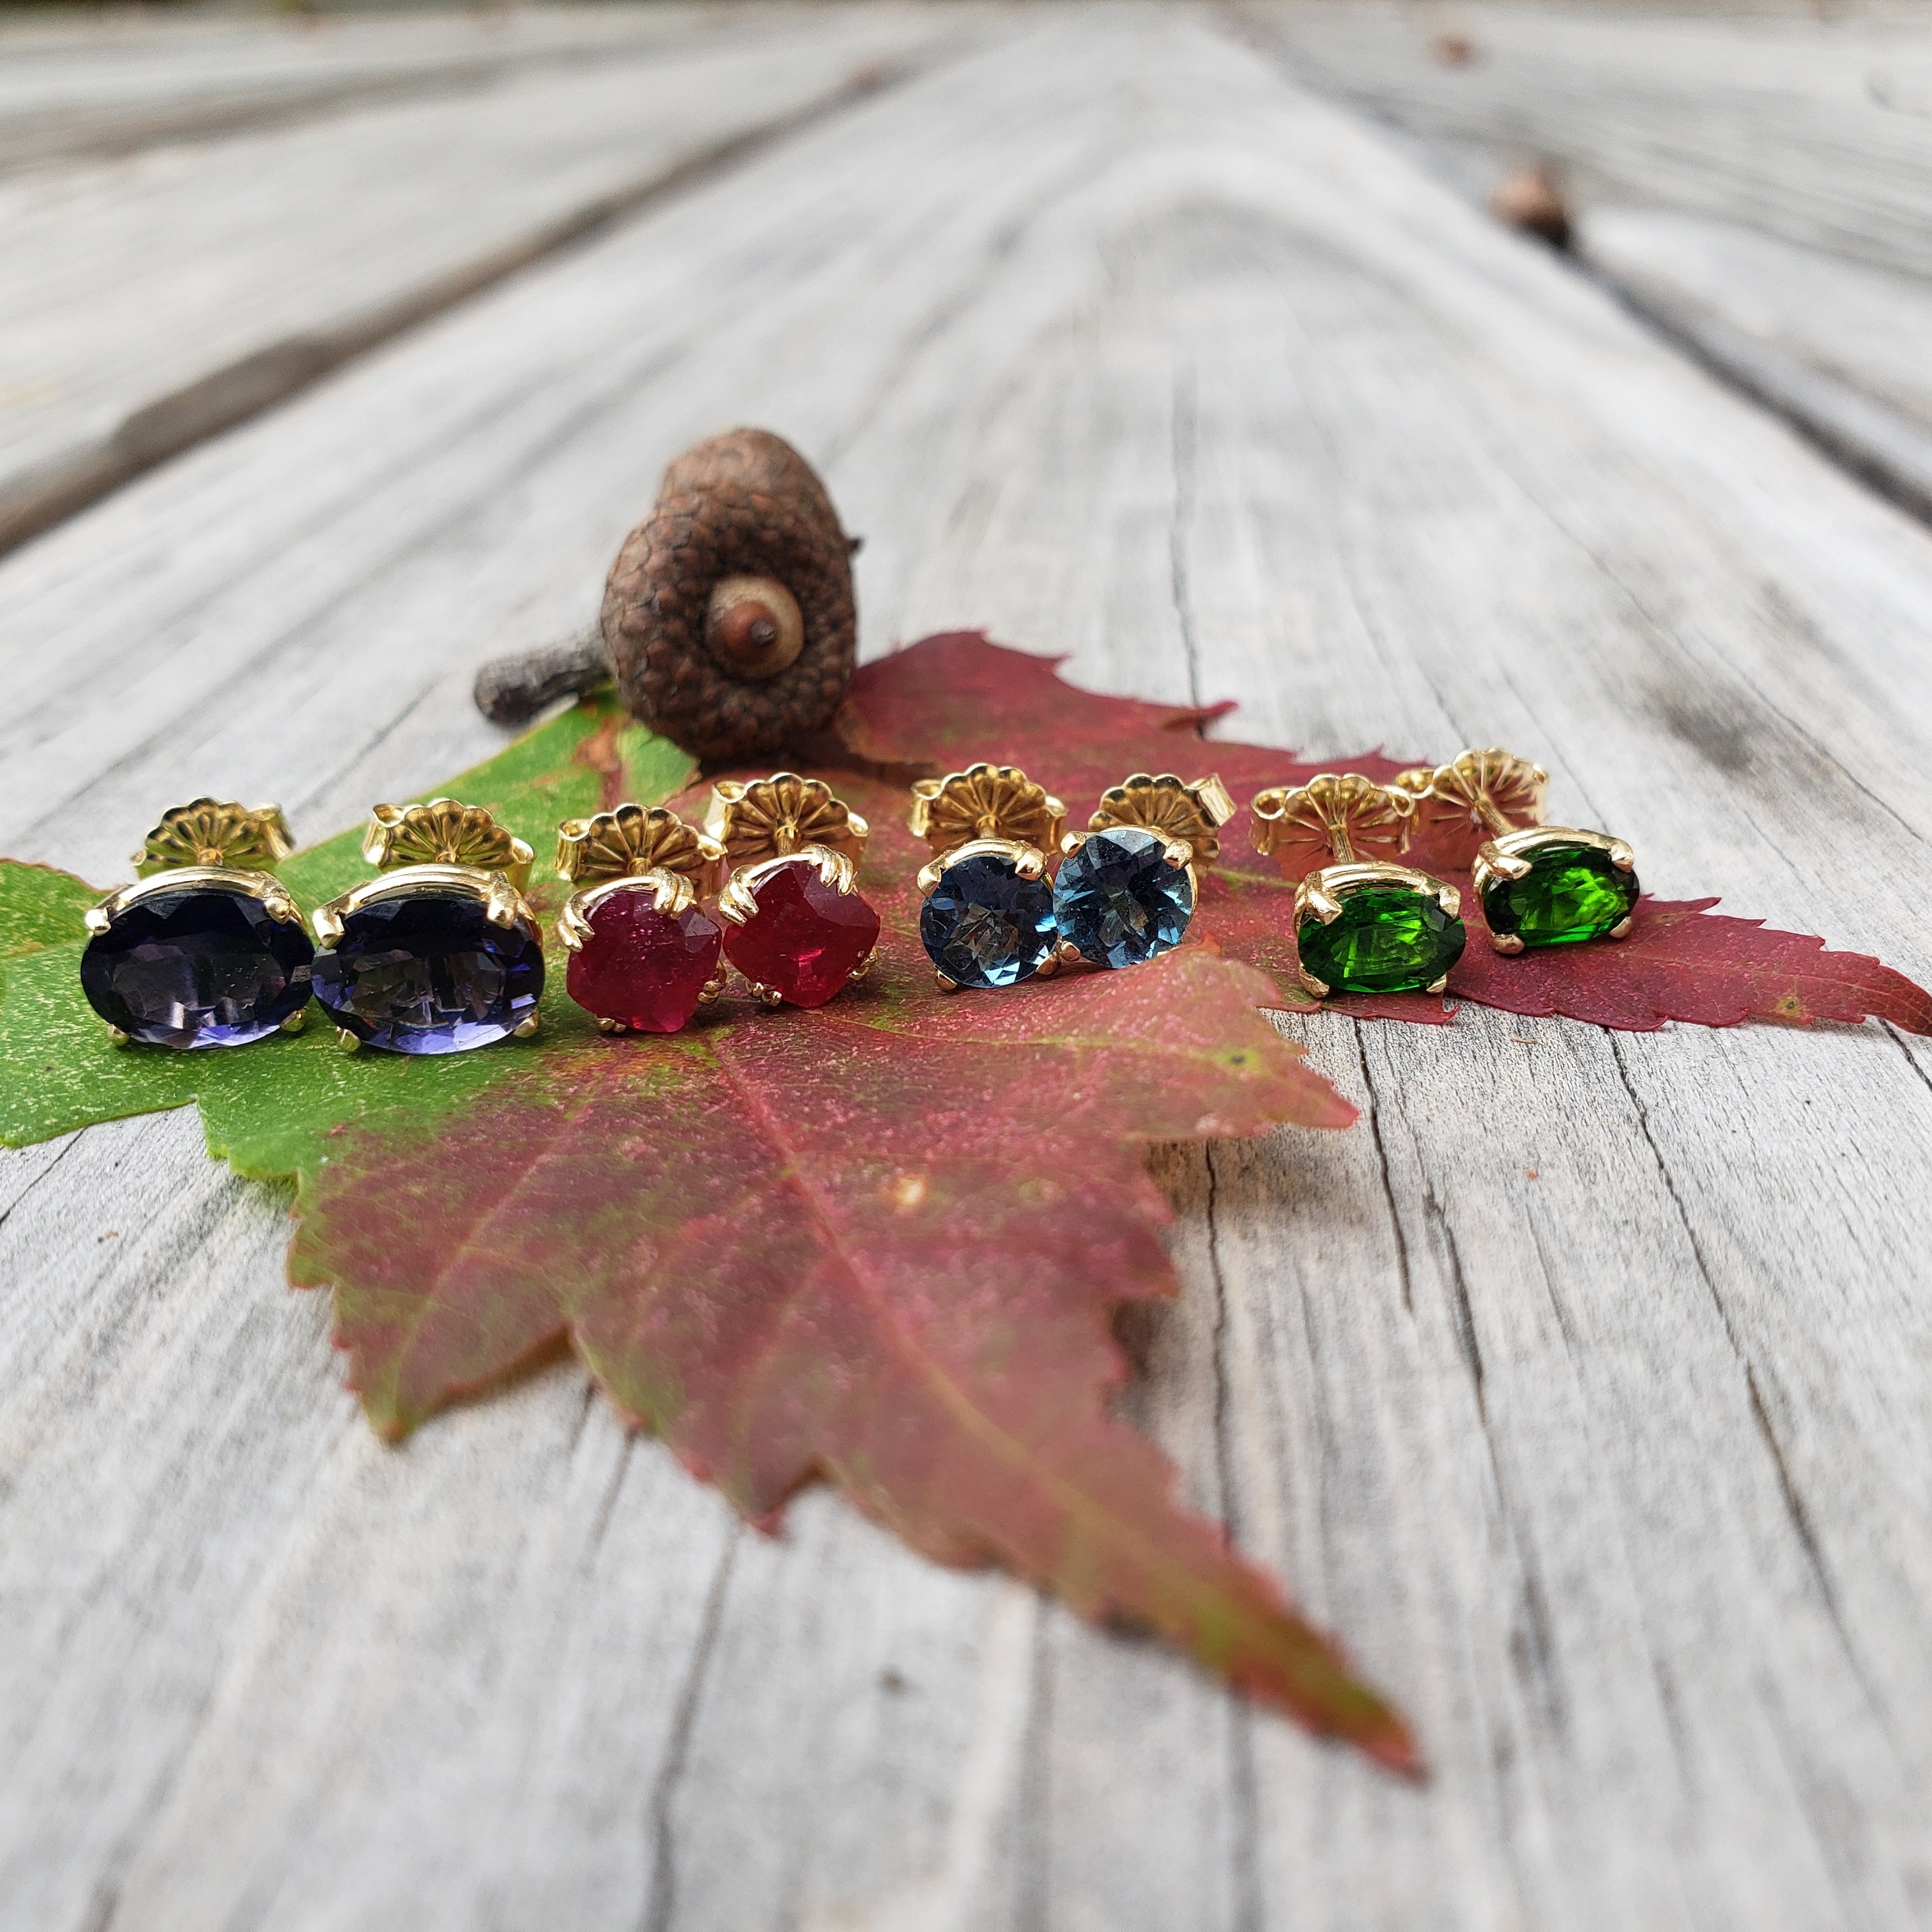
1571, 892
805, 938
1119, 901
428, 972
201, 967
1388, 939
984, 926
642, 969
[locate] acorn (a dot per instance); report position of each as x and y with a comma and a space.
729, 614
728, 618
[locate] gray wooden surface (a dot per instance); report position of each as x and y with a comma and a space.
103, 81
255, 263
1583, 1386
1757, 180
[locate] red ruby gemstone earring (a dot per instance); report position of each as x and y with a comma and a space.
643, 957
794, 925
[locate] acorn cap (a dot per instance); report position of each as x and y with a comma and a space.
729, 615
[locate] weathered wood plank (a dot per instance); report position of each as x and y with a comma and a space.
1795, 124
146, 304
117, 85
1583, 1385
1755, 181
1837, 346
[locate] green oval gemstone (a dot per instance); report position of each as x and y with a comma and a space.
1571, 892
1389, 939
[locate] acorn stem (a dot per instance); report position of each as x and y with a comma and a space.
510, 689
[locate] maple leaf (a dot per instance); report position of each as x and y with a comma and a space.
954, 697
880, 1242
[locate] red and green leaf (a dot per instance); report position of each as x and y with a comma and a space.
951, 699
880, 1243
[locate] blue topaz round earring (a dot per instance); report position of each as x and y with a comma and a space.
209, 950
987, 919
1538, 884
1126, 893
1363, 924
441, 952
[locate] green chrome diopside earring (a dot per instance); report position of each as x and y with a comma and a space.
1363, 924
1538, 884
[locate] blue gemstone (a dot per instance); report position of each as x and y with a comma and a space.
1119, 900
984, 926
206, 966
428, 972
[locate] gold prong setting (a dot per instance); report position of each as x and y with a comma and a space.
441, 951
1127, 890
739, 901
642, 957
1539, 885
796, 926
987, 919
1556, 885
207, 949
1364, 922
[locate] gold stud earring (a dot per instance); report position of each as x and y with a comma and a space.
795, 925
441, 952
644, 958
1363, 924
208, 949
1126, 893
987, 918
1537, 884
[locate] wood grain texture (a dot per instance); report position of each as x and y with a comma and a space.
1584, 1386
257, 264
1835, 345
1755, 180
74, 86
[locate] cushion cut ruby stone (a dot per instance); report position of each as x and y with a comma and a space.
642, 967
805, 938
